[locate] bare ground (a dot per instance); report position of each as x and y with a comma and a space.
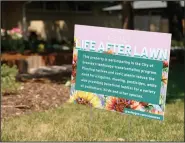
32, 97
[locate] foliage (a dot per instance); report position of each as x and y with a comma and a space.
12, 40
175, 43
13, 45
15, 33
41, 48
8, 79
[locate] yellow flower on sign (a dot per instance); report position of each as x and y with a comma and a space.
85, 98
75, 39
76, 42
164, 79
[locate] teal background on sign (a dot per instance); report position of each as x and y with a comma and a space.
144, 114
146, 97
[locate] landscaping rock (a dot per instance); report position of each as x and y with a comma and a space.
53, 73
51, 70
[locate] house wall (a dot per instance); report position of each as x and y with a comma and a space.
11, 14
12, 17
71, 19
151, 23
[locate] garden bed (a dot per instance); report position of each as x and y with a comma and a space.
25, 62
30, 98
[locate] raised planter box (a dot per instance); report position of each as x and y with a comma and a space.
31, 61
26, 62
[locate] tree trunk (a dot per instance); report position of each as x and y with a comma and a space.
175, 16
127, 15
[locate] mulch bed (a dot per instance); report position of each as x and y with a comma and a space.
32, 97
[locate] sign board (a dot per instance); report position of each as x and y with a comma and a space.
121, 70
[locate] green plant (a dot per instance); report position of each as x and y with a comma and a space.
41, 48
9, 44
175, 43
78, 125
12, 40
8, 79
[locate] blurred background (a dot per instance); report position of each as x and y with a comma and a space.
48, 27
37, 36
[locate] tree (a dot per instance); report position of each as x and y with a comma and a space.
175, 16
127, 15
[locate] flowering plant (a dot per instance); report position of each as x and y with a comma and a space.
3, 32
12, 40
15, 33
41, 48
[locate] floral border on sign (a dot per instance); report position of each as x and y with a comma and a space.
112, 103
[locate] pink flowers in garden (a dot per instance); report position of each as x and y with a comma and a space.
15, 30
3, 32
14, 33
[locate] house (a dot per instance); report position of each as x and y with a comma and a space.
56, 19
148, 15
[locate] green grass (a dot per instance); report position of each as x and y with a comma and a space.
73, 123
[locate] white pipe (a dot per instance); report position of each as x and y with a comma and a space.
24, 25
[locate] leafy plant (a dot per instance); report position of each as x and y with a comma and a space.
12, 40
175, 43
41, 48
8, 79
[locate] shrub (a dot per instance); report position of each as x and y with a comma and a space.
8, 79
12, 40
177, 43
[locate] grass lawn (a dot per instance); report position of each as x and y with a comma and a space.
73, 123
78, 123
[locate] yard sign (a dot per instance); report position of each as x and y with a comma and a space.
121, 70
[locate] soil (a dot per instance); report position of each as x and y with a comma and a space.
34, 96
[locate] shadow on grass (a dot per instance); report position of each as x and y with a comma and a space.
176, 83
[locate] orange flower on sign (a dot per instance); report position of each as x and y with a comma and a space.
117, 104
135, 105
109, 52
